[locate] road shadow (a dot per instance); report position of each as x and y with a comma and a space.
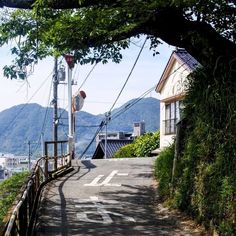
88, 164
131, 209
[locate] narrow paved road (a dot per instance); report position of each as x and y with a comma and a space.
103, 197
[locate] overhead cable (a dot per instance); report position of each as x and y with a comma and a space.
88, 75
131, 71
93, 138
11, 123
44, 121
80, 86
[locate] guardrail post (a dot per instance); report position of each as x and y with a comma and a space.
22, 218
46, 160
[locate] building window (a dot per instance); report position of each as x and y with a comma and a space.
172, 116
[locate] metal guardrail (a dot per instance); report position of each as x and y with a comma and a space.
22, 218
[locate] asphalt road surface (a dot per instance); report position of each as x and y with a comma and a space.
102, 197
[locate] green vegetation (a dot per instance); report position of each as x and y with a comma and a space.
125, 151
9, 189
163, 171
102, 29
204, 181
141, 147
205, 176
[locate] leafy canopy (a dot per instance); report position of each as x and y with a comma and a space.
99, 30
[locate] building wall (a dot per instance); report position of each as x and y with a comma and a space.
175, 82
139, 129
112, 135
173, 90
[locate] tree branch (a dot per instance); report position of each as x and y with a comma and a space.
200, 39
55, 4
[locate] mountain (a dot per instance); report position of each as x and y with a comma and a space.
27, 122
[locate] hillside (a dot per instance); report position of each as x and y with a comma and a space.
26, 122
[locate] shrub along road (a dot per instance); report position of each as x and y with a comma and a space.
108, 197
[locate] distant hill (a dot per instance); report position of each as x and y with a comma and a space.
26, 122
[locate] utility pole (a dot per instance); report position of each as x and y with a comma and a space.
29, 143
29, 157
42, 144
70, 63
107, 115
55, 116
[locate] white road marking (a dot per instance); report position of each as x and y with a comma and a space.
110, 176
100, 210
95, 181
122, 174
119, 159
106, 181
92, 206
95, 199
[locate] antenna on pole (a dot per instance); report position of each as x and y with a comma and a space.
107, 115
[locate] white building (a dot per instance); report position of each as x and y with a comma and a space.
172, 89
8, 161
113, 136
10, 164
139, 128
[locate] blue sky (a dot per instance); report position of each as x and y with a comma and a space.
102, 86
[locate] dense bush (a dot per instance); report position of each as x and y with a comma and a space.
163, 170
205, 176
125, 151
145, 144
141, 147
9, 189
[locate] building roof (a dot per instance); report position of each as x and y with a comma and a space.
112, 146
185, 60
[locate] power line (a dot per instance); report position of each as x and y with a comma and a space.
176, 69
80, 86
131, 71
129, 105
104, 121
95, 135
19, 112
120, 112
44, 120
80, 126
88, 75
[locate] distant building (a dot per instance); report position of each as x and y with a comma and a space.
139, 129
116, 140
113, 136
172, 89
10, 164
113, 145
8, 161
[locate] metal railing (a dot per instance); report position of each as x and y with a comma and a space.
22, 217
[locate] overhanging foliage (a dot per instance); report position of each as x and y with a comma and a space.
99, 30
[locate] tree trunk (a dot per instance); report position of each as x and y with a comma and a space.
198, 38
